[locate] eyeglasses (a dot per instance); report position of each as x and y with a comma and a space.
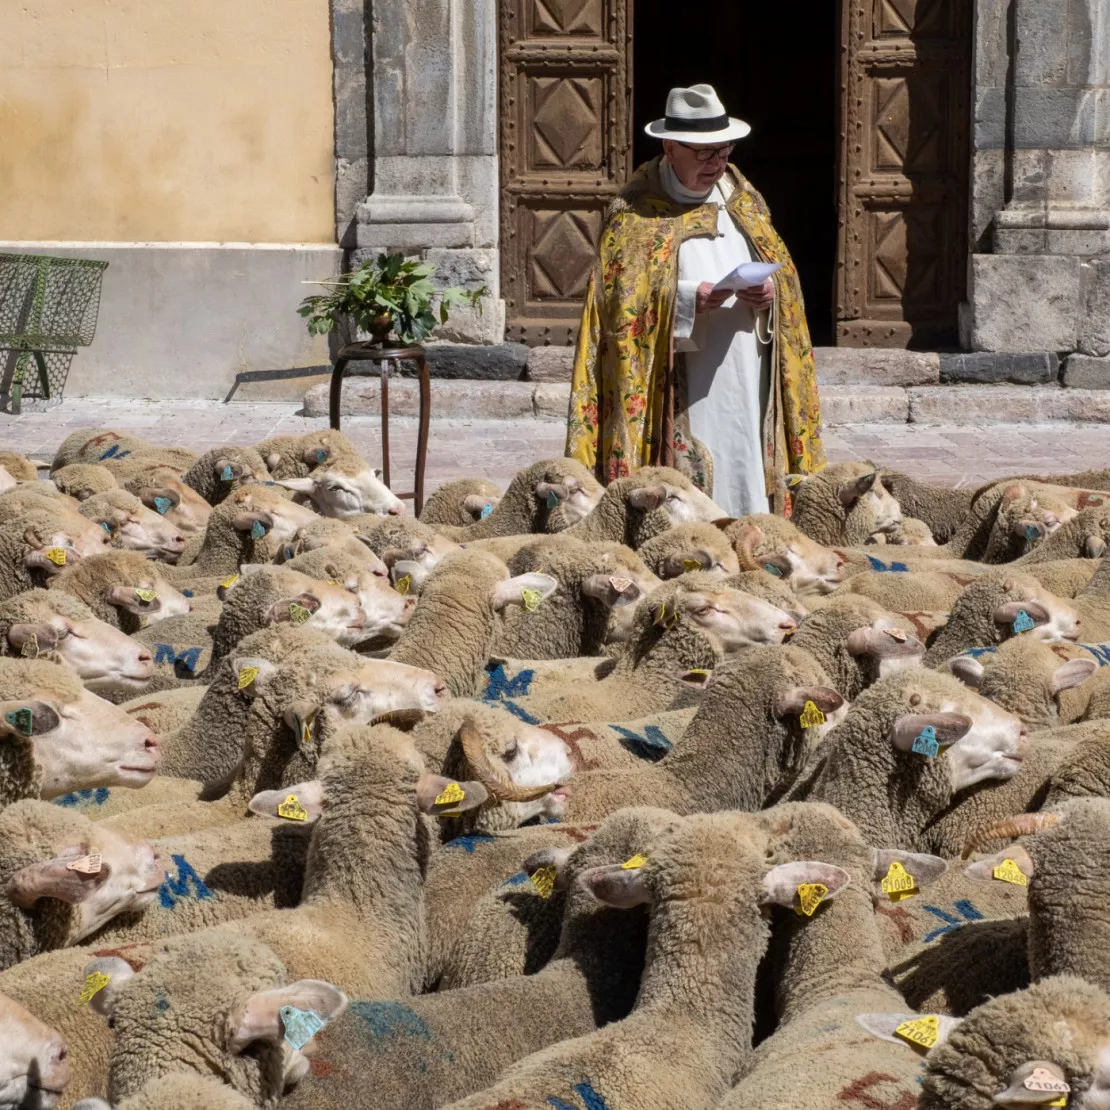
708, 153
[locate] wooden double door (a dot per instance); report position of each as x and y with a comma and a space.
860, 144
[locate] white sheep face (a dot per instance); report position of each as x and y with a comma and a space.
382, 686
148, 532
339, 613
94, 743
1063, 622
814, 568
191, 512
737, 620
386, 612
579, 502
34, 1067
993, 748
337, 494
883, 506
77, 541
7, 482
169, 601
687, 506
104, 658
534, 757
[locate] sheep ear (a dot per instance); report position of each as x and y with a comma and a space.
851, 492
223, 466
52, 878
780, 884
792, 702
1094, 547
647, 498
35, 637
967, 669
614, 885
1073, 673
475, 505
612, 590
1027, 530
883, 643
260, 1017
26, 718
429, 788
300, 717
253, 673
287, 609
775, 563
124, 597
244, 522
37, 560
1051, 1083
306, 797
983, 870
510, 591
724, 523
555, 858
924, 869
697, 679
544, 490
119, 973
148, 495
883, 1025
1009, 612
947, 727
299, 485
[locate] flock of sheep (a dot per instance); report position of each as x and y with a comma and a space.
569, 797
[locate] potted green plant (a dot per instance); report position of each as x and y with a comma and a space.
383, 296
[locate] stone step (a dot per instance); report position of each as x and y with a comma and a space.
841, 404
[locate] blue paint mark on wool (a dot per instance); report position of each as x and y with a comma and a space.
1101, 652
501, 690
96, 797
977, 653
174, 888
187, 657
518, 879
896, 568
469, 842
963, 906
114, 452
187, 593
591, 1100
652, 745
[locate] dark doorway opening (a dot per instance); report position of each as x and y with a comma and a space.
775, 65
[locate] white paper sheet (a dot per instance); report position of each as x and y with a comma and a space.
747, 276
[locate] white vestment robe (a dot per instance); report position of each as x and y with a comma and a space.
728, 369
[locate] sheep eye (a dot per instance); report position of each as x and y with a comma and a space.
704, 611
349, 697
510, 753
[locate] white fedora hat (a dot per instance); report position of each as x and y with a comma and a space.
696, 115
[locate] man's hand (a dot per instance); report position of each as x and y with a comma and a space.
707, 300
758, 297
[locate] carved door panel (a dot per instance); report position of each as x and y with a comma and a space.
904, 160
565, 144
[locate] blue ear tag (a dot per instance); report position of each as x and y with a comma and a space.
1032, 532
1023, 622
187, 593
106, 526
228, 475
288, 553
258, 530
486, 510
770, 568
22, 719
300, 1025
552, 499
163, 505
925, 742
321, 455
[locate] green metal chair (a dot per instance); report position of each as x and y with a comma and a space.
48, 308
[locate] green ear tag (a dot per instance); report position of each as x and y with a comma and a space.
552, 499
770, 568
298, 614
300, 1025
227, 475
925, 742
162, 505
532, 599
486, 510
23, 719
258, 530
1023, 622
321, 454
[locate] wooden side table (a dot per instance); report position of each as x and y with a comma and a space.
386, 358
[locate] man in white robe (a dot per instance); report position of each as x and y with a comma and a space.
724, 338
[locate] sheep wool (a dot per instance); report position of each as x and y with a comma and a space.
84, 480
460, 503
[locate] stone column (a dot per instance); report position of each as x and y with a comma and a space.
434, 172
1041, 191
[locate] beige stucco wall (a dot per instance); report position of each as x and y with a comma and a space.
166, 120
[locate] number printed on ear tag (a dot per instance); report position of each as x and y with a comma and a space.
1023, 622
450, 794
811, 716
1009, 872
292, 810
810, 896
922, 1031
57, 556
899, 883
403, 585
298, 614
925, 742
543, 879
162, 505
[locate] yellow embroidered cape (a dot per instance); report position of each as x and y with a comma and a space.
627, 406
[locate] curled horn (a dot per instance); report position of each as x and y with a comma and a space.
498, 786
402, 719
1022, 824
744, 546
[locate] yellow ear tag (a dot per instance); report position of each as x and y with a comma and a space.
811, 895
635, 863
923, 1031
811, 715
531, 599
298, 614
246, 676
306, 729
899, 883
57, 556
1061, 1101
227, 583
146, 595
450, 794
86, 865
1041, 1079
689, 565
94, 984
1009, 872
403, 585
292, 810
543, 879
30, 649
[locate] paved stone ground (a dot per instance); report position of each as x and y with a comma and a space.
943, 454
